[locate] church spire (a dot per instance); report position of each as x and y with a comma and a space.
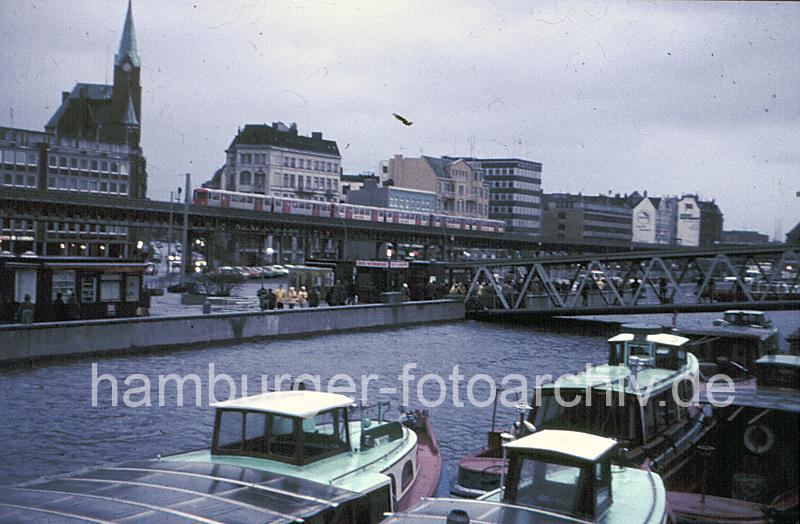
129, 119
127, 46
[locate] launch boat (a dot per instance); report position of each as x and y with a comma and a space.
556, 476
277, 457
631, 399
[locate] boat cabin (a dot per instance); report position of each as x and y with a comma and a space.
659, 350
566, 472
738, 317
296, 427
778, 371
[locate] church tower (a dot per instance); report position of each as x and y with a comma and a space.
127, 91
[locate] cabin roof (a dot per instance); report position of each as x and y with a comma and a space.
744, 312
303, 404
667, 339
583, 446
622, 337
781, 360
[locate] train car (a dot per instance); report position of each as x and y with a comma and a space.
200, 197
356, 212
492, 226
407, 217
294, 206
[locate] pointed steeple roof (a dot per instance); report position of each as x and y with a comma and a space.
129, 118
127, 46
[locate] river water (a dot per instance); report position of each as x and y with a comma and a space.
50, 425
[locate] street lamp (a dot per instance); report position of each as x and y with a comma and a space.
269, 252
389, 253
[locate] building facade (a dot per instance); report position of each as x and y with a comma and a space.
276, 160
592, 219
371, 194
515, 193
90, 145
744, 237
459, 185
698, 223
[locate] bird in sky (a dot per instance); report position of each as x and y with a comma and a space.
403, 119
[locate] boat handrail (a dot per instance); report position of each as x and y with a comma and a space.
368, 464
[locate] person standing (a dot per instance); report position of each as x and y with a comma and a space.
280, 296
26, 311
406, 292
272, 300
291, 297
302, 296
262, 298
313, 297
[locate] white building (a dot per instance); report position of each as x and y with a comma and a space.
645, 217
276, 160
688, 222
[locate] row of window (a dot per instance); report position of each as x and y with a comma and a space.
411, 203
516, 184
85, 164
508, 171
72, 183
246, 178
11, 156
16, 224
534, 199
517, 222
308, 183
19, 180
315, 165
514, 210
81, 227
64, 284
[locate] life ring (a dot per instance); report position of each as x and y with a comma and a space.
759, 439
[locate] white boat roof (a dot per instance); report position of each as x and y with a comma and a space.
584, 446
303, 404
622, 337
667, 339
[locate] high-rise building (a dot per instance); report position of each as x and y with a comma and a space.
515, 192
460, 187
276, 160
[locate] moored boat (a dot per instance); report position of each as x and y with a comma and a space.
642, 397
733, 344
276, 457
556, 476
751, 468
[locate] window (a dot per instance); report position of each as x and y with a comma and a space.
64, 283
25, 284
244, 178
549, 486
132, 289
408, 474
110, 287
325, 434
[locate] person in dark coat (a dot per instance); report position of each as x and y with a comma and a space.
313, 297
58, 312
26, 311
272, 299
262, 298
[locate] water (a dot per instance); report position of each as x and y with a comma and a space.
50, 426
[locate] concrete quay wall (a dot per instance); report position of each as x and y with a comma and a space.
52, 340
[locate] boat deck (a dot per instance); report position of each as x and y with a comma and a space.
174, 491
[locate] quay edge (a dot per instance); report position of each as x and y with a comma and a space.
25, 343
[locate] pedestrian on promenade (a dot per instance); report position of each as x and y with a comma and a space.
635, 290
291, 297
58, 312
272, 299
662, 290
280, 296
406, 292
302, 296
26, 311
313, 297
585, 293
262, 298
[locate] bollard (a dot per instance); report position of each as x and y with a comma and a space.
207, 307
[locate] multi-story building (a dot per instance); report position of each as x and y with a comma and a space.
459, 185
654, 219
744, 237
371, 194
515, 192
276, 160
355, 181
698, 223
90, 145
579, 218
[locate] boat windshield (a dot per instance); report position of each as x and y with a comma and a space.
549, 486
279, 437
601, 417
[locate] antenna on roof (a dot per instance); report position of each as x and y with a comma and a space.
108, 52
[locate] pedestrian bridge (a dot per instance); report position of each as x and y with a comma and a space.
682, 280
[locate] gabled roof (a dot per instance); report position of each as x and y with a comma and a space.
303, 404
127, 45
583, 446
254, 134
438, 165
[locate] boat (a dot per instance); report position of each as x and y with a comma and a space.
733, 344
655, 429
751, 467
283, 456
555, 476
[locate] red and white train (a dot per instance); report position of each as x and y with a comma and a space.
295, 206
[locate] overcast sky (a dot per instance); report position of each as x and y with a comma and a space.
665, 97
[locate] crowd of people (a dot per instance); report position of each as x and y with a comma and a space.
61, 309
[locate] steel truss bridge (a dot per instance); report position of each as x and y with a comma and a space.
311, 237
683, 280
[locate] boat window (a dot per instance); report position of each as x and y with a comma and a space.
325, 433
230, 430
602, 485
256, 432
408, 474
549, 486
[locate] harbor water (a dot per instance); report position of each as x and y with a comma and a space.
50, 425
